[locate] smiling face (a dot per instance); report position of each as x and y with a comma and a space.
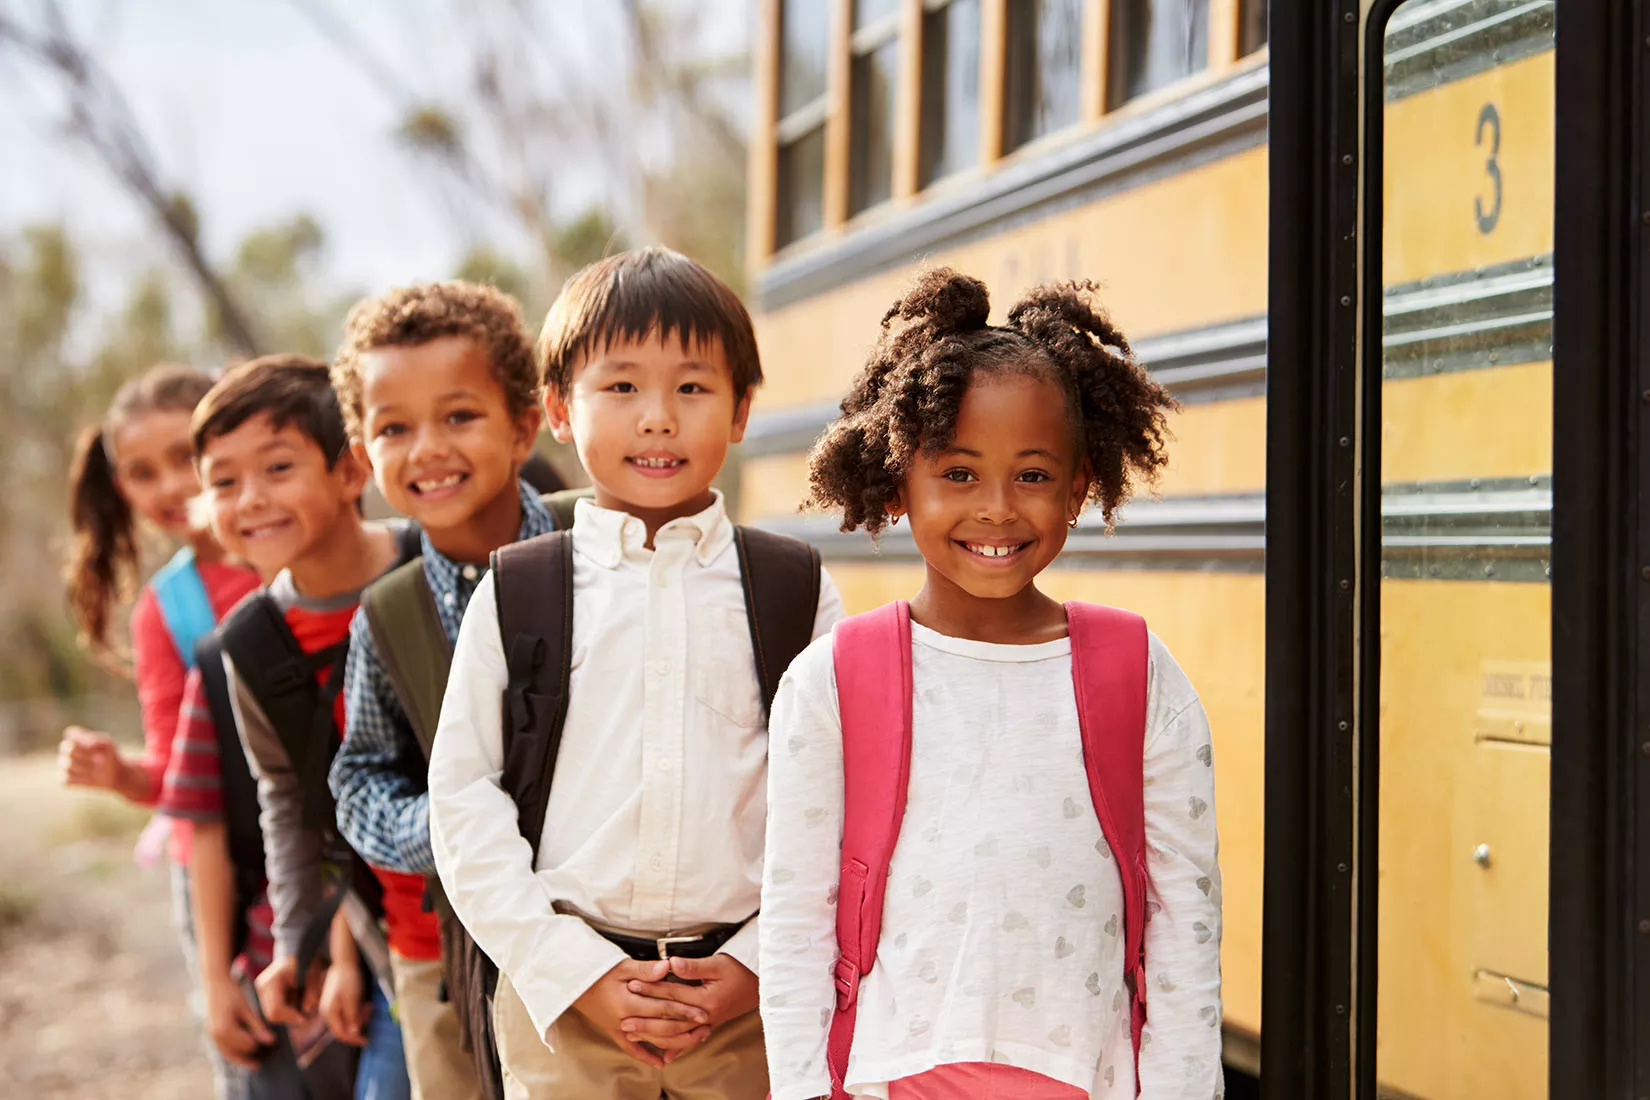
652, 421
991, 511
271, 497
437, 430
155, 467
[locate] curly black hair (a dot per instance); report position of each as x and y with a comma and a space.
935, 340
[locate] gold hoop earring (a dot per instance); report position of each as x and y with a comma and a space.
1073, 523
894, 522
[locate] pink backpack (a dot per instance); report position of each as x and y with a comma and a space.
1109, 671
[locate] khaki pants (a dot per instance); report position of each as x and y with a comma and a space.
732, 1063
437, 1066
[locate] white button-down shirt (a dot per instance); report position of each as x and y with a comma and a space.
659, 802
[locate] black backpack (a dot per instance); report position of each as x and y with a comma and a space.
533, 588
288, 686
242, 833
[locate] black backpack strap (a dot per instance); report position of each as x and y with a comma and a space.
242, 834
533, 586
284, 681
781, 576
412, 644
409, 542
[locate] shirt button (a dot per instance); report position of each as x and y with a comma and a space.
657, 863
664, 765
661, 581
451, 600
661, 668
470, 573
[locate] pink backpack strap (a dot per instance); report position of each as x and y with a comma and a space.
1109, 667
872, 654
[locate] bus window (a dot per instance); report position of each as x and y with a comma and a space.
950, 89
1252, 32
1155, 43
871, 104
1043, 86
804, 36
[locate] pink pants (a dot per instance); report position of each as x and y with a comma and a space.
981, 1081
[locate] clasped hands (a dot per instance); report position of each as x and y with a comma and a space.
657, 1011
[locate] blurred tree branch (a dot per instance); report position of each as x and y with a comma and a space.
100, 116
648, 116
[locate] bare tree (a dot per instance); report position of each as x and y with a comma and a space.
101, 118
649, 122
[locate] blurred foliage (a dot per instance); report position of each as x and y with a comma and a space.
64, 355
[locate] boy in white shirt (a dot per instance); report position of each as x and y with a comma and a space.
653, 828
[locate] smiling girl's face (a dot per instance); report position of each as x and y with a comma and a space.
991, 511
155, 467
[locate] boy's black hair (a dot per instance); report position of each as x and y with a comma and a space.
647, 292
935, 339
289, 389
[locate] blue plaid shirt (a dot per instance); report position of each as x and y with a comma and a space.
383, 811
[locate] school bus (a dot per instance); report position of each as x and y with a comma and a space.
1125, 141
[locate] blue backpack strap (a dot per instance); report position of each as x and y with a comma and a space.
184, 605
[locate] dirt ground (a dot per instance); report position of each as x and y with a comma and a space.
93, 991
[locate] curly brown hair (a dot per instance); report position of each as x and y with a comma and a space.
935, 340
412, 315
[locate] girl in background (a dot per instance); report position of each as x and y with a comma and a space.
136, 471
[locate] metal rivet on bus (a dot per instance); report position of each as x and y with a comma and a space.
1349, 17
1346, 441
1645, 217
1346, 299
1489, 570
1481, 855
1346, 158
1645, 397
1341, 867
1644, 749
1342, 725
1476, 483
1340, 1010
1435, 570
1346, 586
1495, 356
1535, 479
1645, 573
1644, 927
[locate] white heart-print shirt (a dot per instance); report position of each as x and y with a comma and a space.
1002, 924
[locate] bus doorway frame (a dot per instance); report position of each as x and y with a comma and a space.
1323, 554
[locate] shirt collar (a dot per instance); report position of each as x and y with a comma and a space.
607, 536
444, 573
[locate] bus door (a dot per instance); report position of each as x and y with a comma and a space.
1458, 552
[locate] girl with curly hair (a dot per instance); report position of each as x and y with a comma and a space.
1002, 967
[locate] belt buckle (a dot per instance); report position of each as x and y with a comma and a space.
663, 943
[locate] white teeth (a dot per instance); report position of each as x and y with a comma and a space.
657, 463
990, 551
444, 483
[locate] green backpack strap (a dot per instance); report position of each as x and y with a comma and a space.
413, 647
561, 505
